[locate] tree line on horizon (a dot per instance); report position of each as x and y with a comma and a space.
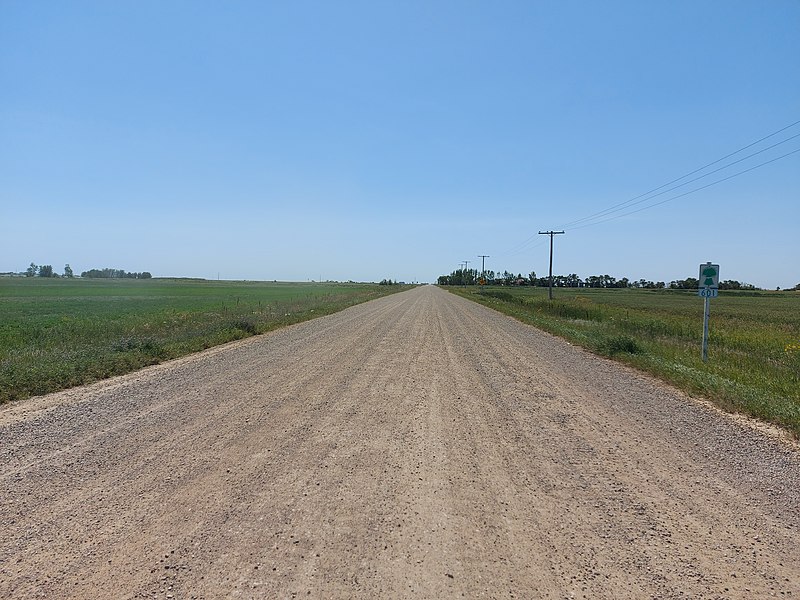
506, 278
35, 270
114, 274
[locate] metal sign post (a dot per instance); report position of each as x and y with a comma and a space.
709, 288
706, 315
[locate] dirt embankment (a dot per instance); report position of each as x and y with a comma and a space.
417, 446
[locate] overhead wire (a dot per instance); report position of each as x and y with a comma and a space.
524, 248
647, 197
632, 201
689, 192
521, 247
609, 212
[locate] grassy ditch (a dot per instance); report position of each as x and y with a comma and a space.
754, 349
59, 333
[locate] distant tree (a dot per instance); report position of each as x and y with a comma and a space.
646, 284
732, 284
601, 281
68, 271
690, 283
32, 270
460, 277
114, 274
594, 281
46, 271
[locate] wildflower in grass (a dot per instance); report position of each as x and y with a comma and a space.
792, 348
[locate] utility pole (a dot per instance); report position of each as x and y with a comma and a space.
551, 234
483, 258
466, 265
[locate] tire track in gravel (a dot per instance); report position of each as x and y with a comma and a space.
415, 446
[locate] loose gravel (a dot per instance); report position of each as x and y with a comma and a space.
417, 446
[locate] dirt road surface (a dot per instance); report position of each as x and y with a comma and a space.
418, 446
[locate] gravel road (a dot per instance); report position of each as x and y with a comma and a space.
417, 446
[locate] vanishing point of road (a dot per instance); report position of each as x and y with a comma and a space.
417, 446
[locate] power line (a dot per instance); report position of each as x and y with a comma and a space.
525, 248
689, 192
519, 246
590, 220
632, 201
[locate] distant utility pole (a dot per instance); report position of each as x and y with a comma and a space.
551, 234
466, 266
483, 258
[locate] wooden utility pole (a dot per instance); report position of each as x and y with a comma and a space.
483, 258
551, 234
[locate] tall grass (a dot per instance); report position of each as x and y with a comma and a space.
754, 354
56, 334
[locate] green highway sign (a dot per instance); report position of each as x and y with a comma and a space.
709, 276
708, 288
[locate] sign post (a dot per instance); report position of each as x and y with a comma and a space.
708, 288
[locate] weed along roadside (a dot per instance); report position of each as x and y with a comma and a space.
61, 333
754, 361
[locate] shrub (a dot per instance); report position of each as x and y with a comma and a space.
619, 343
245, 325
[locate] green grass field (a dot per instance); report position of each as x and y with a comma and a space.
59, 333
754, 350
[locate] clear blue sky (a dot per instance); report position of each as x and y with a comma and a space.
361, 140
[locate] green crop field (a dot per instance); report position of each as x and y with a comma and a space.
58, 333
754, 348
